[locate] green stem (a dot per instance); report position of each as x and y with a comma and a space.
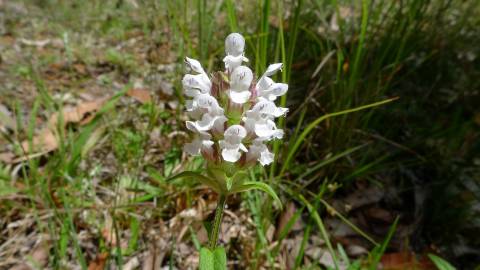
217, 222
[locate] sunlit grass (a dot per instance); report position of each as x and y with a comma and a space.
378, 47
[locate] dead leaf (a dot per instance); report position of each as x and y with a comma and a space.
7, 157
37, 259
109, 234
46, 140
80, 68
83, 113
285, 218
405, 260
99, 262
142, 95
380, 214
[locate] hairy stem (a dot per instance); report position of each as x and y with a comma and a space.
217, 222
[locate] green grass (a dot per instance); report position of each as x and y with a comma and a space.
346, 126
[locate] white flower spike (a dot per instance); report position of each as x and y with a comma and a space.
233, 118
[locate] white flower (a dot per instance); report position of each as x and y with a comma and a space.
265, 109
234, 48
267, 88
198, 146
259, 151
240, 81
198, 83
205, 108
264, 129
201, 144
232, 143
259, 120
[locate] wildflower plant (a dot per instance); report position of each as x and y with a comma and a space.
232, 120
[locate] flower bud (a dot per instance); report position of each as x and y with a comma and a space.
234, 44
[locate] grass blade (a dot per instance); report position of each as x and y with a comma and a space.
312, 125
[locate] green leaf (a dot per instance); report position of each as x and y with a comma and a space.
206, 259
378, 251
216, 260
220, 259
440, 263
238, 179
257, 185
200, 178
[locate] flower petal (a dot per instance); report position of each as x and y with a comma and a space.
231, 155
206, 123
199, 81
193, 126
219, 125
239, 97
267, 130
266, 157
265, 109
275, 90
243, 148
194, 65
193, 148
272, 69
190, 92
241, 78
232, 62
236, 131
259, 151
264, 83
208, 102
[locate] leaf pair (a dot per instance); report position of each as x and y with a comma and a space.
213, 260
222, 184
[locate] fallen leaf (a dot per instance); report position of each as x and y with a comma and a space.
109, 234
405, 260
46, 140
82, 113
380, 214
99, 262
142, 95
37, 259
7, 157
80, 68
285, 218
